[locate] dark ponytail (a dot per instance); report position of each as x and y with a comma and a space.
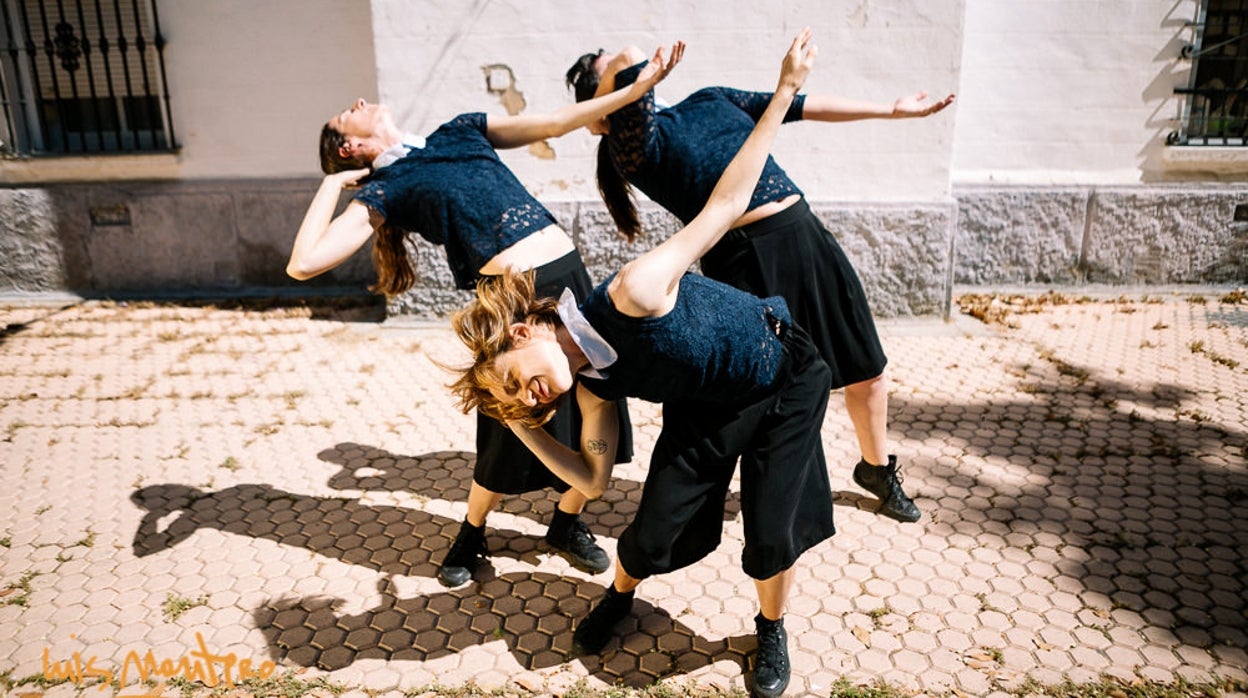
395, 273
617, 193
582, 77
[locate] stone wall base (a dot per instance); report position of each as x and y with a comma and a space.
233, 237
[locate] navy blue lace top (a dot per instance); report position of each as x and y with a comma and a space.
676, 155
456, 192
717, 344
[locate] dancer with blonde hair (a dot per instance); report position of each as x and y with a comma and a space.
737, 380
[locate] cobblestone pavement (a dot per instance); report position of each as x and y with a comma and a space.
278, 484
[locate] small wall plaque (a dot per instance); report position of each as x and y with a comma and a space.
108, 216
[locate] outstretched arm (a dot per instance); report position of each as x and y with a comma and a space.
831, 108
647, 286
324, 242
522, 129
588, 470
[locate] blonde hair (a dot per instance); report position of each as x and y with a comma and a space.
482, 326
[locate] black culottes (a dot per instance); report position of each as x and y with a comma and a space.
786, 499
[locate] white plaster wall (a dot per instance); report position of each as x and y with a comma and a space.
1069, 91
254, 81
430, 57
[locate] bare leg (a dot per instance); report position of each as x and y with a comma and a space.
623, 581
572, 501
773, 594
867, 404
480, 503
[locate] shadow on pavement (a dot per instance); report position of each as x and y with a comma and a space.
389, 539
1147, 510
448, 476
533, 613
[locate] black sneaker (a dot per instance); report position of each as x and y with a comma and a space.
771, 663
884, 481
572, 539
464, 556
593, 633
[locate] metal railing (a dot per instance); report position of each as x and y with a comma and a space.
1212, 117
83, 76
1213, 109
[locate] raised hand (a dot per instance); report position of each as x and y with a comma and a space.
348, 178
915, 106
798, 62
660, 66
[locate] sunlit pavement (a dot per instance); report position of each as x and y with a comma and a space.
279, 484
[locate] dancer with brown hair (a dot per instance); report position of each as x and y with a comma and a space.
452, 189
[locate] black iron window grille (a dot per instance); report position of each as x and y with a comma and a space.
1214, 105
81, 77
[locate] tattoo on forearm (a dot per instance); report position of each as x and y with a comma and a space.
596, 446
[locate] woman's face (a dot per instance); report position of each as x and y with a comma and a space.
535, 371
361, 120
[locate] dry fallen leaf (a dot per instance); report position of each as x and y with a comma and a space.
863, 635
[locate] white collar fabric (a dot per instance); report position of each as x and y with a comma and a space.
600, 354
396, 152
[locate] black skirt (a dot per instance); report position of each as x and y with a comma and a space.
504, 464
792, 255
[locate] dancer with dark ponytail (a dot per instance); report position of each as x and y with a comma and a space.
452, 189
777, 247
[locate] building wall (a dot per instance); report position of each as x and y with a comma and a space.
217, 237
1063, 91
1050, 167
431, 60
882, 186
1060, 165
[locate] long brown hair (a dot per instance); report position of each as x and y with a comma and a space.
482, 326
615, 191
395, 271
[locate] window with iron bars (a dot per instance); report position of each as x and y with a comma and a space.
1215, 102
80, 77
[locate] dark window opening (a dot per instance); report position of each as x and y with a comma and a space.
81, 77
1215, 102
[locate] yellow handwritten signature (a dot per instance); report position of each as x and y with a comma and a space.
199, 665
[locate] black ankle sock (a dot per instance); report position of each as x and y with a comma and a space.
762, 620
467, 525
562, 520
626, 595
